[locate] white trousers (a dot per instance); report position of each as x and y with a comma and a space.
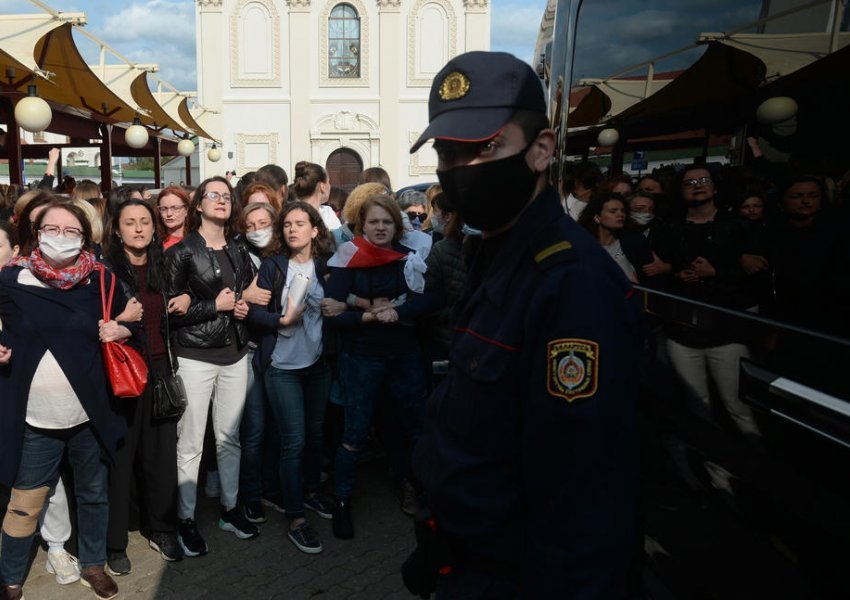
55, 518
230, 383
693, 365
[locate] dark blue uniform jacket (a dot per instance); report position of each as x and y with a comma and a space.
529, 456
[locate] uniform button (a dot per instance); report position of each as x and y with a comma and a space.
473, 365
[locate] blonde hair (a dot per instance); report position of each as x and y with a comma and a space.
92, 216
351, 210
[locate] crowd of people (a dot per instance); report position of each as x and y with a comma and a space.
305, 322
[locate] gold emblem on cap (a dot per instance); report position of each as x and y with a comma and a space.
454, 86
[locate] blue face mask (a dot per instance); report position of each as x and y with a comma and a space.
437, 224
467, 230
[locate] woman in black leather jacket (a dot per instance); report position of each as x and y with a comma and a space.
211, 343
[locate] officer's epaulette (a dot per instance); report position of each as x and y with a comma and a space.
551, 247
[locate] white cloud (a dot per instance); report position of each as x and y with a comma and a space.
161, 32
155, 20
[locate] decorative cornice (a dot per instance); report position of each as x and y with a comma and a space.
476, 5
210, 5
388, 4
298, 4
415, 79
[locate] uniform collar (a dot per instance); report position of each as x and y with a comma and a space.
544, 210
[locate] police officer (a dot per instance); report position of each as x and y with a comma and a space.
529, 455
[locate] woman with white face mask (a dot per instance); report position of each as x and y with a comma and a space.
55, 393
257, 222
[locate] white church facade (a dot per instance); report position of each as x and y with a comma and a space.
342, 83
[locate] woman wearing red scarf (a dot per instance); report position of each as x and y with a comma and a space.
379, 348
55, 394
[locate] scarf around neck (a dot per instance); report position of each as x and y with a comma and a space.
60, 279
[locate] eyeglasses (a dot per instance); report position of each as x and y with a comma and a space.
700, 181
215, 197
416, 216
164, 210
72, 233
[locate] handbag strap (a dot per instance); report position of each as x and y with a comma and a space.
168, 337
105, 305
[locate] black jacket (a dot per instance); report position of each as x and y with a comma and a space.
191, 268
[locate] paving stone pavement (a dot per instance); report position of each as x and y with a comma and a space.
269, 566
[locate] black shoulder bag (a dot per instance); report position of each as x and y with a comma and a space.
169, 393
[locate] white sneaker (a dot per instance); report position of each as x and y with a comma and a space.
63, 565
212, 488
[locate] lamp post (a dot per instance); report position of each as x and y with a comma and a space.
214, 154
32, 112
185, 147
136, 135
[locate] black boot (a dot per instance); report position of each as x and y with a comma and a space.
343, 528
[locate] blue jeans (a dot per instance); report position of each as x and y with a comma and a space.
298, 399
41, 453
362, 379
258, 475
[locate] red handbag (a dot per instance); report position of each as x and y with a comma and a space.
125, 368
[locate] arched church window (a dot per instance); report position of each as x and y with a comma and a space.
344, 42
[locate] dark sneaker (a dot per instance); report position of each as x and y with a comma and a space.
12, 592
343, 527
410, 504
232, 520
117, 563
190, 540
305, 538
165, 542
254, 512
319, 505
100, 582
274, 502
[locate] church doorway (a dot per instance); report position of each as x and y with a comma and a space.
344, 167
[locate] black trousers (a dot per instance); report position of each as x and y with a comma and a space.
148, 453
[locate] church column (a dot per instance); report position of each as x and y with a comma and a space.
477, 25
300, 56
390, 75
211, 56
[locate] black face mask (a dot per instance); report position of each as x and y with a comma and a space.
489, 195
696, 203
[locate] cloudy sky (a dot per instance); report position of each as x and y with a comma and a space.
613, 33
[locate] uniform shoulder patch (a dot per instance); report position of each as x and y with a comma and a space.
573, 368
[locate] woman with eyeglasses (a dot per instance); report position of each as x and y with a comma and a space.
211, 343
313, 186
172, 205
56, 398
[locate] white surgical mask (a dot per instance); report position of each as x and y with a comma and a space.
467, 230
59, 248
260, 238
642, 218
